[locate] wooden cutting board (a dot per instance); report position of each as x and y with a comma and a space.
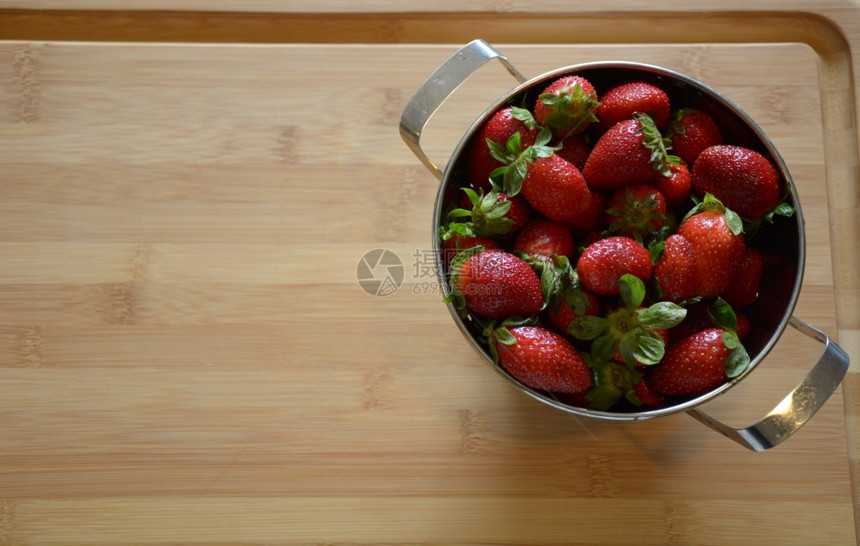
187, 355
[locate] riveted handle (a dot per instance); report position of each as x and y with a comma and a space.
444, 81
798, 406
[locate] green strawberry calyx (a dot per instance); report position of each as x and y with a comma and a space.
499, 331
658, 145
572, 109
558, 278
784, 208
631, 329
486, 218
636, 217
723, 316
454, 294
612, 381
675, 126
524, 115
733, 220
516, 161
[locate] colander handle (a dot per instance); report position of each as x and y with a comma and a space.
439, 86
800, 404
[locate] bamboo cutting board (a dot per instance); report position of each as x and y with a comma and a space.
187, 356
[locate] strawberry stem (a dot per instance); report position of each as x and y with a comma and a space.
638, 218
516, 160
658, 145
723, 316
630, 329
572, 107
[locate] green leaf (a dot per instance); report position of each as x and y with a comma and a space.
611, 381
504, 336
472, 195
542, 151
655, 249
734, 222
657, 143
514, 144
724, 316
562, 262
587, 327
784, 209
731, 340
549, 282
649, 348
498, 209
632, 290
514, 175
709, 202
626, 348
604, 347
514, 321
460, 228
662, 315
557, 277
500, 153
737, 362
525, 116
544, 137
578, 301
487, 200
489, 214
603, 395
459, 213
571, 109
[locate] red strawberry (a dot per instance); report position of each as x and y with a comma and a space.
743, 327
575, 150
636, 211
693, 365
646, 393
499, 128
676, 186
691, 132
603, 262
542, 359
592, 219
457, 243
621, 102
520, 212
743, 179
743, 290
495, 284
567, 106
675, 269
630, 152
560, 317
555, 188
546, 238
717, 249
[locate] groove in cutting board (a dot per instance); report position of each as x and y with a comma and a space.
439, 27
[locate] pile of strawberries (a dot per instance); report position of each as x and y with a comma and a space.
602, 243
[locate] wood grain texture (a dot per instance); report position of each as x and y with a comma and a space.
186, 356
